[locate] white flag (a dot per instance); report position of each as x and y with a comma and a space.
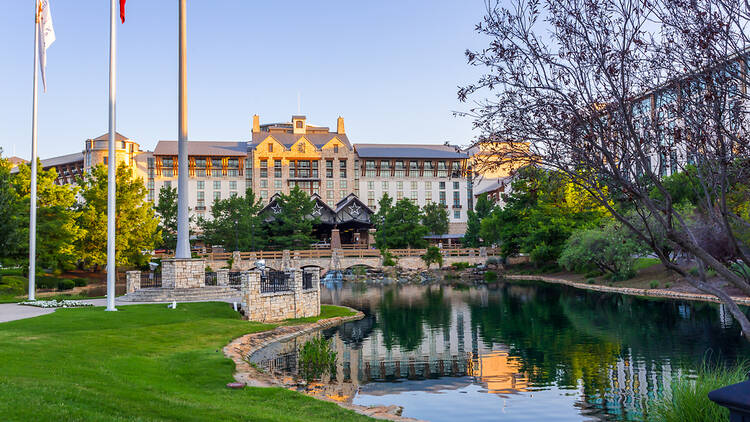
46, 35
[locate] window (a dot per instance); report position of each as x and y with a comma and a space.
400, 170
201, 199
264, 195
455, 169
263, 183
428, 196
277, 184
456, 199
442, 198
400, 185
442, 185
385, 185
336, 149
385, 168
413, 185
414, 196
442, 169
329, 169
301, 145
370, 168
270, 147
168, 184
399, 195
217, 195
217, 185
456, 186
232, 185
413, 169
216, 167
277, 169
429, 169
457, 214
329, 195
342, 194
300, 124
200, 166
370, 196
264, 168
342, 184
342, 169
201, 185
329, 184
370, 185
105, 161
428, 186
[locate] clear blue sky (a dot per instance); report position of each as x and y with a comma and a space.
390, 68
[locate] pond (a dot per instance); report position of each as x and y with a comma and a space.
514, 351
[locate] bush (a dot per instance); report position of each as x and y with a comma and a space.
460, 265
593, 273
612, 250
388, 260
667, 285
65, 284
316, 358
47, 282
591, 281
654, 284
689, 399
490, 276
80, 282
433, 255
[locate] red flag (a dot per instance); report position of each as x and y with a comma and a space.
122, 10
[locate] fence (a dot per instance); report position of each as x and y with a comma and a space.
235, 278
275, 281
307, 280
153, 280
211, 279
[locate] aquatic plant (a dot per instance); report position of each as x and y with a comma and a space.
316, 358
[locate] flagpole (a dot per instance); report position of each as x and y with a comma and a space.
32, 201
183, 231
111, 164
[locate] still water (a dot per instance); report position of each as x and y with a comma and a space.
514, 351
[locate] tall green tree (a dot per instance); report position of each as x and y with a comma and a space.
400, 225
167, 211
235, 223
137, 226
481, 210
293, 226
57, 230
9, 228
435, 218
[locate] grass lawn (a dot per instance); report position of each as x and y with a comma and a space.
643, 263
145, 363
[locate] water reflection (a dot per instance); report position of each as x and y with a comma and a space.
514, 351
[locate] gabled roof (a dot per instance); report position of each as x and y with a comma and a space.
348, 200
408, 151
118, 137
289, 139
63, 159
223, 148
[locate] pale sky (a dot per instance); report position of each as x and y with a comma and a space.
390, 68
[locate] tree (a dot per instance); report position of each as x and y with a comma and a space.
136, 225
292, 227
57, 230
10, 236
481, 210
433, 255
435, 218
167, 211
235, 223
399, 226
579, 92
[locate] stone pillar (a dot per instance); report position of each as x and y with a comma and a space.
180, 273
222, 277
132, 281
371, 238
236, 260
250, 292
295, 276
335, 263
286, 260
335, 239
483, 252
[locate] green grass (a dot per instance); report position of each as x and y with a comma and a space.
689, 401
326, 311
642, 263
144, 362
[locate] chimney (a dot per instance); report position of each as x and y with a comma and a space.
340, 126
256, 123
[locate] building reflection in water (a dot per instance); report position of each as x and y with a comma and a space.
611, 355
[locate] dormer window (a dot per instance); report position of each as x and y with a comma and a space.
301, 146
299, 124
336, 149
270, 147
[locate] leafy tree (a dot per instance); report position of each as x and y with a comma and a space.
435, 218
433, 255
481, 210
167, 211
399, 226
136, 225
235, 223
57, 230
9, 228
612, 249
292, 227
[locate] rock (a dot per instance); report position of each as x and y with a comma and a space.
236, 385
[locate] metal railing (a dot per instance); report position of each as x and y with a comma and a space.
210, 278
151, 280
235, 278
307, 280
275, 281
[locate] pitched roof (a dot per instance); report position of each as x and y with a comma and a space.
407, 151
234, 149
289, 139
63, 159
118, 137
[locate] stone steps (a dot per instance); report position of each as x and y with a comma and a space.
160, 294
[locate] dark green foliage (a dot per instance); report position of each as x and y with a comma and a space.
399, 226
316, 359
80, 282
435, 218
433, 256
167, 211
292, 228
481, 210
65, 284
460, 265
490, 276
235, 223
654, 284
612, 250
388, 259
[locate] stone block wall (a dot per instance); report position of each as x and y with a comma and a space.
222, 277
278, 306
132, 281
180, 273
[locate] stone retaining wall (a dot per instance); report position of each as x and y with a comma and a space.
183, 273
278, 306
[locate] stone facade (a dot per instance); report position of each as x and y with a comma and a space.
183, 273
222, 277
132, 281
277, 306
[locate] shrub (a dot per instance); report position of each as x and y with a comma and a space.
80, 282
490, 276
667, 285
209, 269
47, 282
593, 273
654, 284
460, 265
433, 255
591, 281
65, 284
316, 358
689, 399
388, 260
612, 250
